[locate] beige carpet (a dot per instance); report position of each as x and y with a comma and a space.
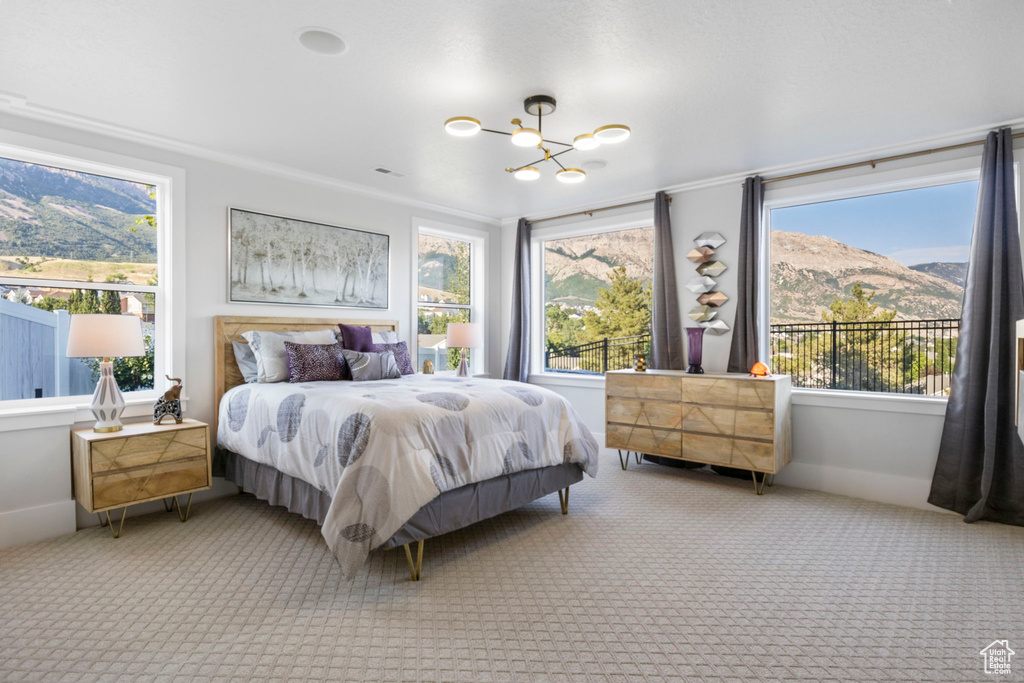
656, 574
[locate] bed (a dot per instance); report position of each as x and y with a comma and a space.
391, 463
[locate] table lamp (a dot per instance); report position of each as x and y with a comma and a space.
94, 335
464, 336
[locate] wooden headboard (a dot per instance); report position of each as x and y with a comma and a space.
229, 328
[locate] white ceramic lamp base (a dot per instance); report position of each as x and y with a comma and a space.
107, 401
463, 370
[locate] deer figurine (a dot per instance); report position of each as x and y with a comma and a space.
169, 403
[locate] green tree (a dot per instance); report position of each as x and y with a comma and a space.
51, 303
111, 303
622, 310
563, 327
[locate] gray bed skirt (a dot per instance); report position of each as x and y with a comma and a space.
451, 510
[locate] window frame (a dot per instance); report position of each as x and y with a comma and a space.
538, 318
912, 177
477, 240
169, 327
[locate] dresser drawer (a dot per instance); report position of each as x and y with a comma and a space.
644, 440
728, 392
754, 424
121, 487
145, 449
731, 452
642, 385
644, 413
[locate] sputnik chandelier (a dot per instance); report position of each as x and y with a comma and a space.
541, 106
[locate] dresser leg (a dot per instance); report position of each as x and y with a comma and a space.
624, 461
188, 508
759, 488
637, 454
120, 526
168, 505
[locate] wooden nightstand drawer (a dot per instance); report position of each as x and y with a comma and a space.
124, 487
132, 451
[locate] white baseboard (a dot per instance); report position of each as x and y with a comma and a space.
876, 486
29, 525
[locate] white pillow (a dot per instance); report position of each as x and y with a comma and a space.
271, 357
385, 337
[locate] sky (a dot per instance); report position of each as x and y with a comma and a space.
911, 226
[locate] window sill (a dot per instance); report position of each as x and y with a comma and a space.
565, 380
66, 415
877, 402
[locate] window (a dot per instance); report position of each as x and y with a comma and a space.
596, 297
74, 242
866, 289
449, 290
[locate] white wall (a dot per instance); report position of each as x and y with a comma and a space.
870, 447
35, 489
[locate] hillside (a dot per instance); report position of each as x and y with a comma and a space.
48, 212
808, 271
576, 268
950, 272
438, 268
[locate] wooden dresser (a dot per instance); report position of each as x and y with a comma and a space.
140, 463
726, 419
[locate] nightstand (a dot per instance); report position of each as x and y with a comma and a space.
140, 463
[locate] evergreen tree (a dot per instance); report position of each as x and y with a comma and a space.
111, 302
622, 310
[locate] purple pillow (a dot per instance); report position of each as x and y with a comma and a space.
356, 338
316, 362
401, 352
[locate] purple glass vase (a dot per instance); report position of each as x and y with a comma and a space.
695, 343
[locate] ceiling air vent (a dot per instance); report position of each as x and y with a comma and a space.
384, 170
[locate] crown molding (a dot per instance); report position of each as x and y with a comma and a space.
964, 135
19, 106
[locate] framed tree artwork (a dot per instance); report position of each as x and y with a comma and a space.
277, 260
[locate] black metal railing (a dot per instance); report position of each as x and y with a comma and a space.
597, 357
899, 356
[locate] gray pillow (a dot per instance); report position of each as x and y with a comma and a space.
246, 360
271, 358
371, 366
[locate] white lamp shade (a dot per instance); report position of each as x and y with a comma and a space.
465, 336
94, 335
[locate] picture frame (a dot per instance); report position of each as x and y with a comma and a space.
279, 260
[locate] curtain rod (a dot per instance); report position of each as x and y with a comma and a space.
589, 212
882, 160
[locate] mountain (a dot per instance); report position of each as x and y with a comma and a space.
950, 272
808, 271
576, 268
56, 213
439, 268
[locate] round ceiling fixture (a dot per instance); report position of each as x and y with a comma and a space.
594, 164
612, 134
462, 126
322, 41
571, 175
585, 142
526, 137
527, 173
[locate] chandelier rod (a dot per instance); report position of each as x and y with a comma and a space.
540, 161
550, 142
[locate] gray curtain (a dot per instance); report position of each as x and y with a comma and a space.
517, 362
980, 468
666, 328
745, 335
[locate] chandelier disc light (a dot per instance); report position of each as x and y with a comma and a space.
523, 136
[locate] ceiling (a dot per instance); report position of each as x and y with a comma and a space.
708, 88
